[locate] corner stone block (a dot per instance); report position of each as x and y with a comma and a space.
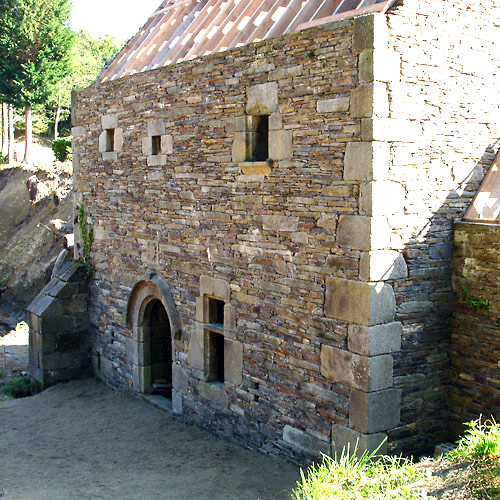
382, 265
215, 287
381, 198
375, 340
262, 99
349, 440
109, 121
369, 32
374, 412
177, 403
229, 317
390, 129
275, 121
364, 373
304, 442
366, 161
370, 100
280, 144
358, 232
379, 65
235, 124
359, 302
233, 361
156, 127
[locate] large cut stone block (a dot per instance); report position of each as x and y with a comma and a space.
109, 121
359, 302
239, 151
280, 144
360, 232
379, 65
215, 394
280, 223
366, 161
215, 287
381, 198
375, 411
262, 99
350, 440
233, 361
180, 380
337, 105
375, 340
381, 265
357, 372
306, 443
156, 127
196, 355
369, 32
371, 99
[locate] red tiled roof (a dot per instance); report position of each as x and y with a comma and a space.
182, 30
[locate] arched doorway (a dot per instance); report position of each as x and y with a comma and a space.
155, 324
157, 350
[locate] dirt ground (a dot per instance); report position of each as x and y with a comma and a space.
84, 441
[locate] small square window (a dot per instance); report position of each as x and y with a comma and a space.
258, 138
110, 140
156, 144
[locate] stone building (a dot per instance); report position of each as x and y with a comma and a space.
273, 206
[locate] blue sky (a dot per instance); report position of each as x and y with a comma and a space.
120, 18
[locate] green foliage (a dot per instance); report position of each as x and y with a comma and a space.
350, 478
2, 374
481, 440
18, 387
475, 301
62, 149
35, 43
87, 233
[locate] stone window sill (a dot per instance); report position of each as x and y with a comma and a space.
256, 167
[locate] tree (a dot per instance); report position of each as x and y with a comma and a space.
89, 56
35, 45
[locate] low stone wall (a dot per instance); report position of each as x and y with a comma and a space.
475, 341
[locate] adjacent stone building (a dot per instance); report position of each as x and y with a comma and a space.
273, 223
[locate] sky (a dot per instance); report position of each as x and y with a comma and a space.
120, 18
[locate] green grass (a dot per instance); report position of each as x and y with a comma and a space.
2, 374
17, 388
350, 478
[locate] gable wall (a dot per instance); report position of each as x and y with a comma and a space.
448, 92
271, 237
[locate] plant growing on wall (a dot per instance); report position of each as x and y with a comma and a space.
87, 234
475, 301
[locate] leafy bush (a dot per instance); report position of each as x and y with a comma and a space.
18, 387
351, 478
62, 149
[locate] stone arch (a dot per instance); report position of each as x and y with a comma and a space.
155, 324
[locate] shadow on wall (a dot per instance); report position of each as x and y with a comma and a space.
424, 304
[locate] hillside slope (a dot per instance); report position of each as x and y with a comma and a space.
35, 213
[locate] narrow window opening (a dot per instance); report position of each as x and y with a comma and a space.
156, 144
110, 140
98, 356
216, 311
258, 146
216, 357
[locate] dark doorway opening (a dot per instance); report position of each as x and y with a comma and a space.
158, 349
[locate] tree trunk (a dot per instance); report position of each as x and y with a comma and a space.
29, 134
10, 119
5, 130
58, 114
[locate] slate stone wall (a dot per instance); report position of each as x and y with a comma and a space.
475, 340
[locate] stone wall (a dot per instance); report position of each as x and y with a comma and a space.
443, 123
330, 260
475, 340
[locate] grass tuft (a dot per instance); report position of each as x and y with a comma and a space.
350, 478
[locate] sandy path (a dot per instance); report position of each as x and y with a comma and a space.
84, 441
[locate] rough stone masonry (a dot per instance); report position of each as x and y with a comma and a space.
273, 225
